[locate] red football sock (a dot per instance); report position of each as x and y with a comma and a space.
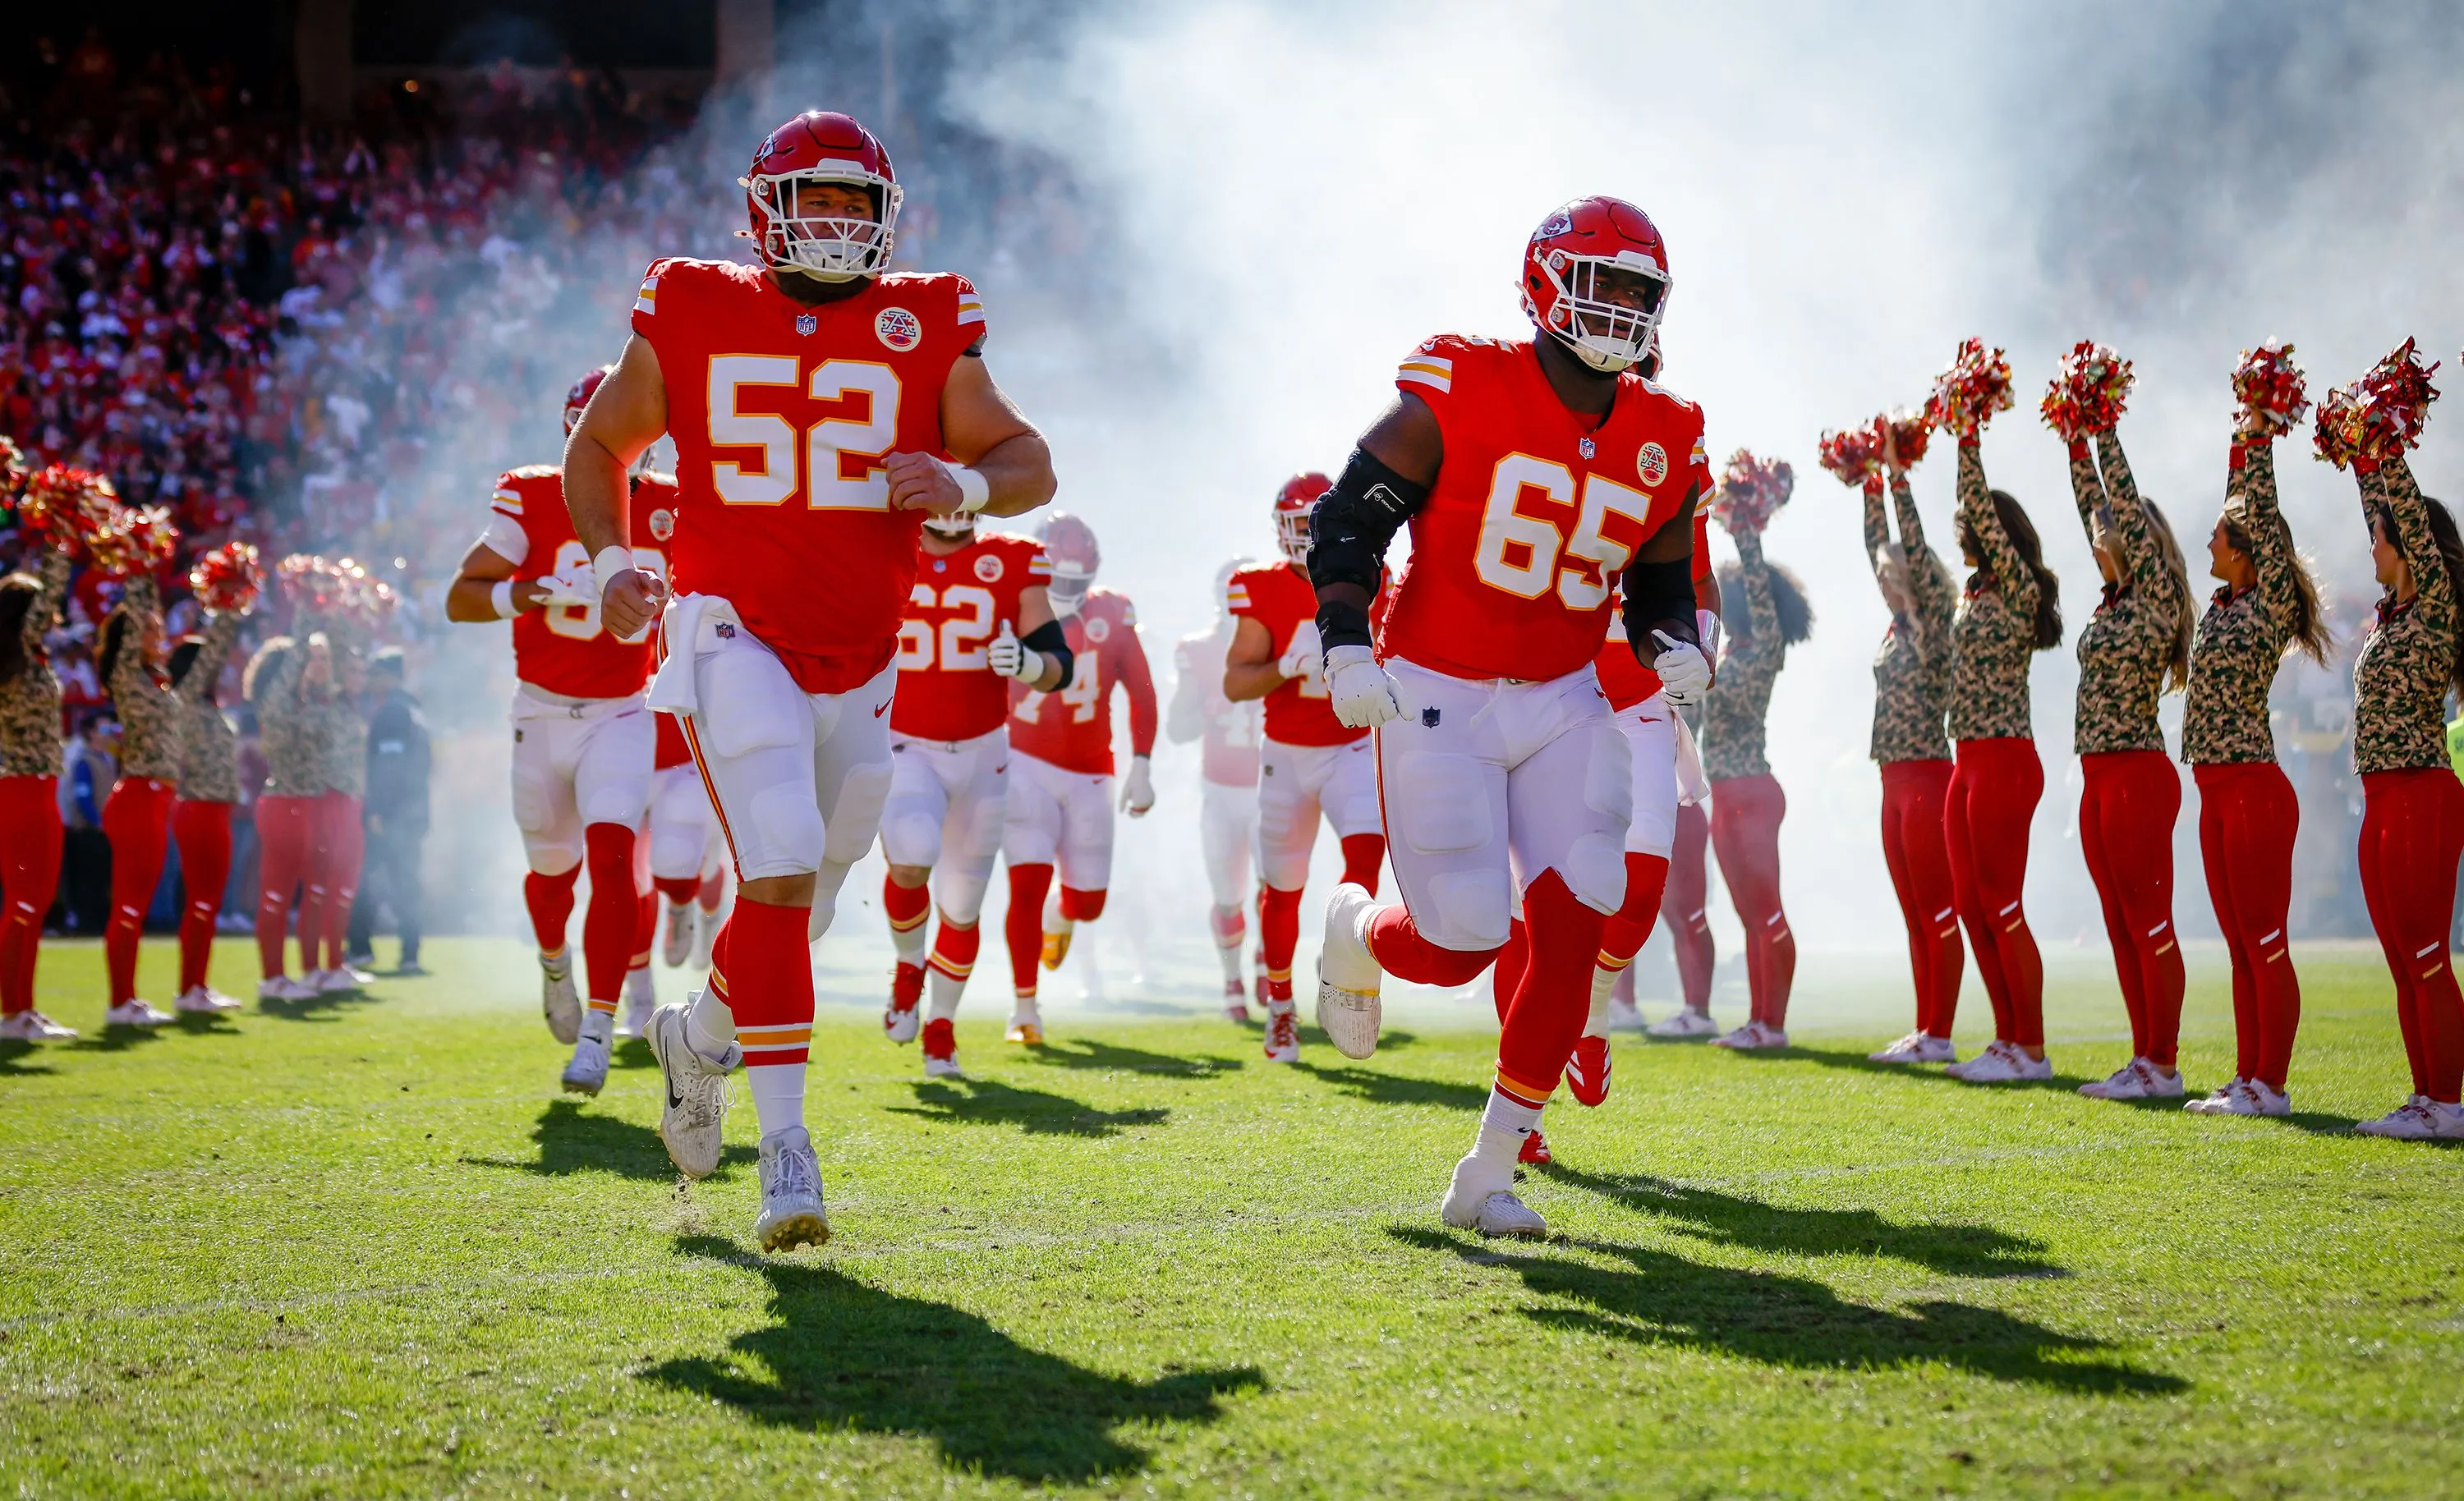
679, 890
1395, 940
1081, 907
770, 981
1547, 1017
1279, 930
954, 947
906, 906
1025, 926
614, 914
550, 898
645, 936
1362, 854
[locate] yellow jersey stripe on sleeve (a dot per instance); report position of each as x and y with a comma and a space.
970, 310
647, 300
510, 502
1439, 375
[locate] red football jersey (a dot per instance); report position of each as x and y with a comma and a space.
1072, 726
1518, 555
947, 688
1279, 596
562, 647
670, 748
1623, 677
783, 417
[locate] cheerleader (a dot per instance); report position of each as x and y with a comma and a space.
201, 820
2248, 815
2135, 648
287, 683
2010, 611
30, 776
341, 738
1912, 675
1766, 613
137, 818
2412, 819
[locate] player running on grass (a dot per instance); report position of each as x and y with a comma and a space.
1227, 811
977, 620
812, 399
1540, 478
583, 742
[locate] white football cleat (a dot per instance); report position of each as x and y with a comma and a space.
905, 1014
135, 1013
1283, 1032
1025, 1024
676, 939
1624, 1016
1348, 976
1236, 1001
792, 1211
693, 1115
282, 988
33, 1026
559, 1001
640, 1002
586, 1073
205, 999
1684, 1022
941, 1050
1474, 1202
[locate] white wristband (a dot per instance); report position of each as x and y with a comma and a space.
975, 491
501, 598
610, 561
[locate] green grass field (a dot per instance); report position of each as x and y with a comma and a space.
364, 1248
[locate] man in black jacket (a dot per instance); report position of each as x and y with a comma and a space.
396, 814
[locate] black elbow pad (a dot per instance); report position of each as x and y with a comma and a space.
1352, 523
1052, 641
1659, 596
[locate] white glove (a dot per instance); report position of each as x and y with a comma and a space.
1706, 630
1012, 659
1301, 658
1137, 790
564, 591
1364, 696
1684, 673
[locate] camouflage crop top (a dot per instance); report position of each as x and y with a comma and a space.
2242, 638
1739, 703
2407, 660
30, 703
2123, 652
209, 746
1996, 632
150, 721
1912, 668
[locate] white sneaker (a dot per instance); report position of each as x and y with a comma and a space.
1684, 1022
559, 1001
1473, 1203
586, 1073
639, 1001
135, 1012
204, 998
2410, 1121
356, 976
2001, 1063
693, 1116
1283, 1032
705, 934
33, 1026
2255, 1098
329, 982
2137, 1079
2213, 1100
676, 939
1348, 976
1624, 1016
1914, 1048
1752, 1038
283, 988
792, 1211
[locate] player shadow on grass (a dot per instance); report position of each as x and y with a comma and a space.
13, 1050
843, 1355
980, 1101
1859, 1063
1658, 1298
572, 1139
1374, 1088
1080, 1052
1951, 1250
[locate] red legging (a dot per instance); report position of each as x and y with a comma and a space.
1993, 791
1023, 927
2247, 816
2126, 815
1684, 905
1913, 795
30, 877
1555, 994
202, 830
2412, 835
136, 820
286, 840
343, 846
1745, 813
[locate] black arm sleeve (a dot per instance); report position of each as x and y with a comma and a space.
1350, 529
1659, 596
1053, 642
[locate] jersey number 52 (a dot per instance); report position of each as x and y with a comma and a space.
819, 467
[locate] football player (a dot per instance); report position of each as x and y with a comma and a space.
583, 740
1060, 809
1541, 478
812, 398
1312, 762
977, 621
1228, 810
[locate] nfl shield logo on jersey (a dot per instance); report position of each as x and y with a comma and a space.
898, 330
806, 322
1652, 464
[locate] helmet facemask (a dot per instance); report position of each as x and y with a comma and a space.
826, 247
1292, 534
1606, 312
957, 526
